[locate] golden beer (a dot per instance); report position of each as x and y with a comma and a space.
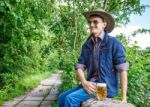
101, 91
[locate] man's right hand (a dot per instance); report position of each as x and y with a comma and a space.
90, 87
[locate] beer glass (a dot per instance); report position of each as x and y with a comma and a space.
101, 91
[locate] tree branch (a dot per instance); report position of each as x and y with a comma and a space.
104, 4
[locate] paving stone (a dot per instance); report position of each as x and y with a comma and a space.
41, 91
55, 75
49, 82
60, 72
58, 82
10, 103
30, 98
59, 76
19, 98
51, 97
28, 104
54, 90
52, 79
6, 106
46, 103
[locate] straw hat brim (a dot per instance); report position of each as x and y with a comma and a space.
108, 18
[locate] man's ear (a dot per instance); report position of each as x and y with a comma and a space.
105, 24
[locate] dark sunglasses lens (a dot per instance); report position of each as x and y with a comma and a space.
95, 22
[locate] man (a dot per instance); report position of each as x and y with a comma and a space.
104, 58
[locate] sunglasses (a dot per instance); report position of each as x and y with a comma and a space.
95, 22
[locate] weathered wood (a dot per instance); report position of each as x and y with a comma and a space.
93, 102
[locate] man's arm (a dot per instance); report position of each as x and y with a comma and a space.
80, 67
119, 60
80, 75
124, 82
90, 87
123, 70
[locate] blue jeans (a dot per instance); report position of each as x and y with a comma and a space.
73, 97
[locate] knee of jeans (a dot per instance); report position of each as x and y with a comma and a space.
68, 97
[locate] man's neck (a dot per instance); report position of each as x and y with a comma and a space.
100, 34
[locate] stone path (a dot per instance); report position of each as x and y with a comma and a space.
42, 96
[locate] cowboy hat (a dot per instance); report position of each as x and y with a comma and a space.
106, 16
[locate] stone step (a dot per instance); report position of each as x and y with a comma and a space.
93, 102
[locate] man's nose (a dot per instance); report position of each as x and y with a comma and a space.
92, 24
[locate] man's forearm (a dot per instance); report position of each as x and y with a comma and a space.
80, 74
90, 87
124, 82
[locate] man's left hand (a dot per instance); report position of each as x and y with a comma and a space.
124, 100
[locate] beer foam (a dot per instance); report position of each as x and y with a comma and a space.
101, 84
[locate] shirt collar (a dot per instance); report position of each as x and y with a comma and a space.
103, 42
100, 37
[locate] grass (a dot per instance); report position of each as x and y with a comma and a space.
54, 104
118, 97
27, 83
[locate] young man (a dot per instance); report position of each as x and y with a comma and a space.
104, 58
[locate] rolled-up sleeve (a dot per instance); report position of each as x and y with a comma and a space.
119, 56
80, 66
122, 67
81, 60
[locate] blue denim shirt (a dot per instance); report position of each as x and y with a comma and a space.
111, 53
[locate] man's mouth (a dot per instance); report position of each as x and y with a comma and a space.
93, 27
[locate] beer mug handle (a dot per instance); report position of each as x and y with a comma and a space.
96, 89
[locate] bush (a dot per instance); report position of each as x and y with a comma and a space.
139, 74
24, 34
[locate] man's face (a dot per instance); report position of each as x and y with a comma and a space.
96, 25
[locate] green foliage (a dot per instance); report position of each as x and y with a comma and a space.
24, 36
69, 74
54, 104
139, 75
25, 40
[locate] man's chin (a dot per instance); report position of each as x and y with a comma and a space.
93, 33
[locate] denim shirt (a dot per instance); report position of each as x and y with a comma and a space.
111, 54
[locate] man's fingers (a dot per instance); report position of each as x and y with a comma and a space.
90, 87
92, 84
91, 90
93, 87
